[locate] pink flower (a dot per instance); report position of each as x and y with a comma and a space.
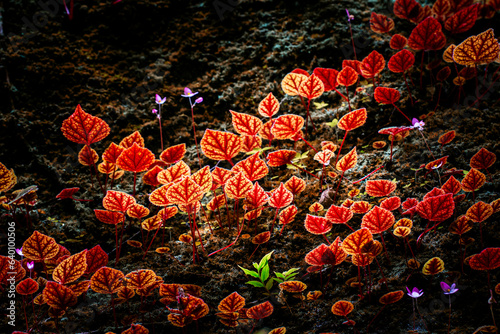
188, 93
30, 265
415, 293
448, 290
159, 99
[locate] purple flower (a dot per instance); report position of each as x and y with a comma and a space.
188, 93
415, 293
19, 251
448, 290
198, 100
415, 123
349, 16
30, 265
159, 99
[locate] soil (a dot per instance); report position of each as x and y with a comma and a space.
113, 58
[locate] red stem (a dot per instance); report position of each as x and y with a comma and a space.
340, 149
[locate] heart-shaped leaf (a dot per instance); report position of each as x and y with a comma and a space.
135, 159
174, 173
137, 211
260, 311
378, 220
433, 266
483, 159
427, 35
280, 197
380, 23
203, 178
71, 269
269, 106
488, 259
280, 158
372, 65
287, 215
328, 76
27, 287
398, 42
342, 308
159, 196
401, 61
106, 280
447, 137
287, 126
96, 259
253, 168
129, 141
386, 95
87, 156
293, 286
338, 214
83, 128
39, 247
473, 180
311, 88
232, 303
391, 297
218, 145
184, 192
261, 238
173, 154
462, 20
477, 50
348, 161
140, 279
249, 143
292, 82
406, 9
117, 201
347, 77
391, 203
437, 208
296, 185
354, 242
238, 186
317, 225
246, 124
380, 188
58, 296
479, 212
256, 197
353, 119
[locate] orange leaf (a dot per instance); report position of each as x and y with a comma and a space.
477, 50
380, 23
106, 280
269, 106
173, 154
184, 192
167, 213
473, 180
246, 124
461, 225
398, 42
39, 247
446, 137
438, 163
249, 143
488, 259
348, 161
401, 61
203, 178
140, 279
338, 214
496, 205
295, 185
293, 286
216, 202
112, 153
479, 212
174, 173
279, 330
354, 64
315, 257
58, 296
266, 130
151, 176
441, 8
354, 242
292, 82
159, 196
391, 297
317, 225
27, 287
83, 128
328, 76
136, 329
378, 220
379, 188
342, 308
237, 186
451, 186
372, 65
353, 119
323, 157
347, 76
253, 168
280, 197
6, 178
71, 268
106, 167
287, 126
117, 201
287, 215
360, 207
483, 159
87, 156
135, 159
391, 203
137, 211
280, 158
218, 145
129, 141
401, 231
463, 20
221, 175
96, 259
433, 266
256, 197
437, 208
260, 311
232, 303
312, 87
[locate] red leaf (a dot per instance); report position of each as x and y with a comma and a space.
218, 145
265, 133
386, 95
380, 23
398, 42
378, 220
129, 141
67, 193
238, 186
372, 65
249, 143
117, 201
483, 159
354, 242
338, 214
58, 296
315, 257
159, 196
379, 188
39, 247
246, 124
311, 88
451, 186
437, 208
83, 128
342, 308
447, 137
427, 35
269, 106
443, 73
112, 153
280, 158
406, 9
167, 213
96, 259
441, 8
287, 126
300, 71
354, 64
151, 176
347, 77
106, 280
353, 119
462, 20
232, 303
256, 197
109, 217
295, 185
71, 268
261, 238
348, 161
203, 178
87, 156
253, 168
292, 82
135, 159
221, 175
410, 204
260, 311
174, 173
438, 163
184, 192
391, 297
317, 225
401, 61
173, 154
473, 180
394, 130
479, 212
360, 207
27, 287
391, 203
287, 215
488, 259
328, 76
280, 197
434, 192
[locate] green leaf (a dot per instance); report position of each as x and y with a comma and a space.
265, 259
250, 272
320, 105
278, 280
256, 284
333, 123
264, 275
269, 284
280, 275
256, 266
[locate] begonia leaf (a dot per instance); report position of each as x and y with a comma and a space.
380, 188
380, 23
184, 192
286, 126
281, 197
398, 42
173, 154
488, 259
296, 185
39, 247
292, 82
348, 161
483, 159
135, 159
328, 76
246, 124
342, 308
71, 268
238, 186
372, 65
174, 173
473, 180
129, 141
117, 201
83, 128
477, 50
269, 106
280, 158
437, 208
401, 61
479, 212
107, 280
317, 225
347, 77
353, 119
311, 88
58, 296
253, 168
218, 145
433, 266
354, 242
